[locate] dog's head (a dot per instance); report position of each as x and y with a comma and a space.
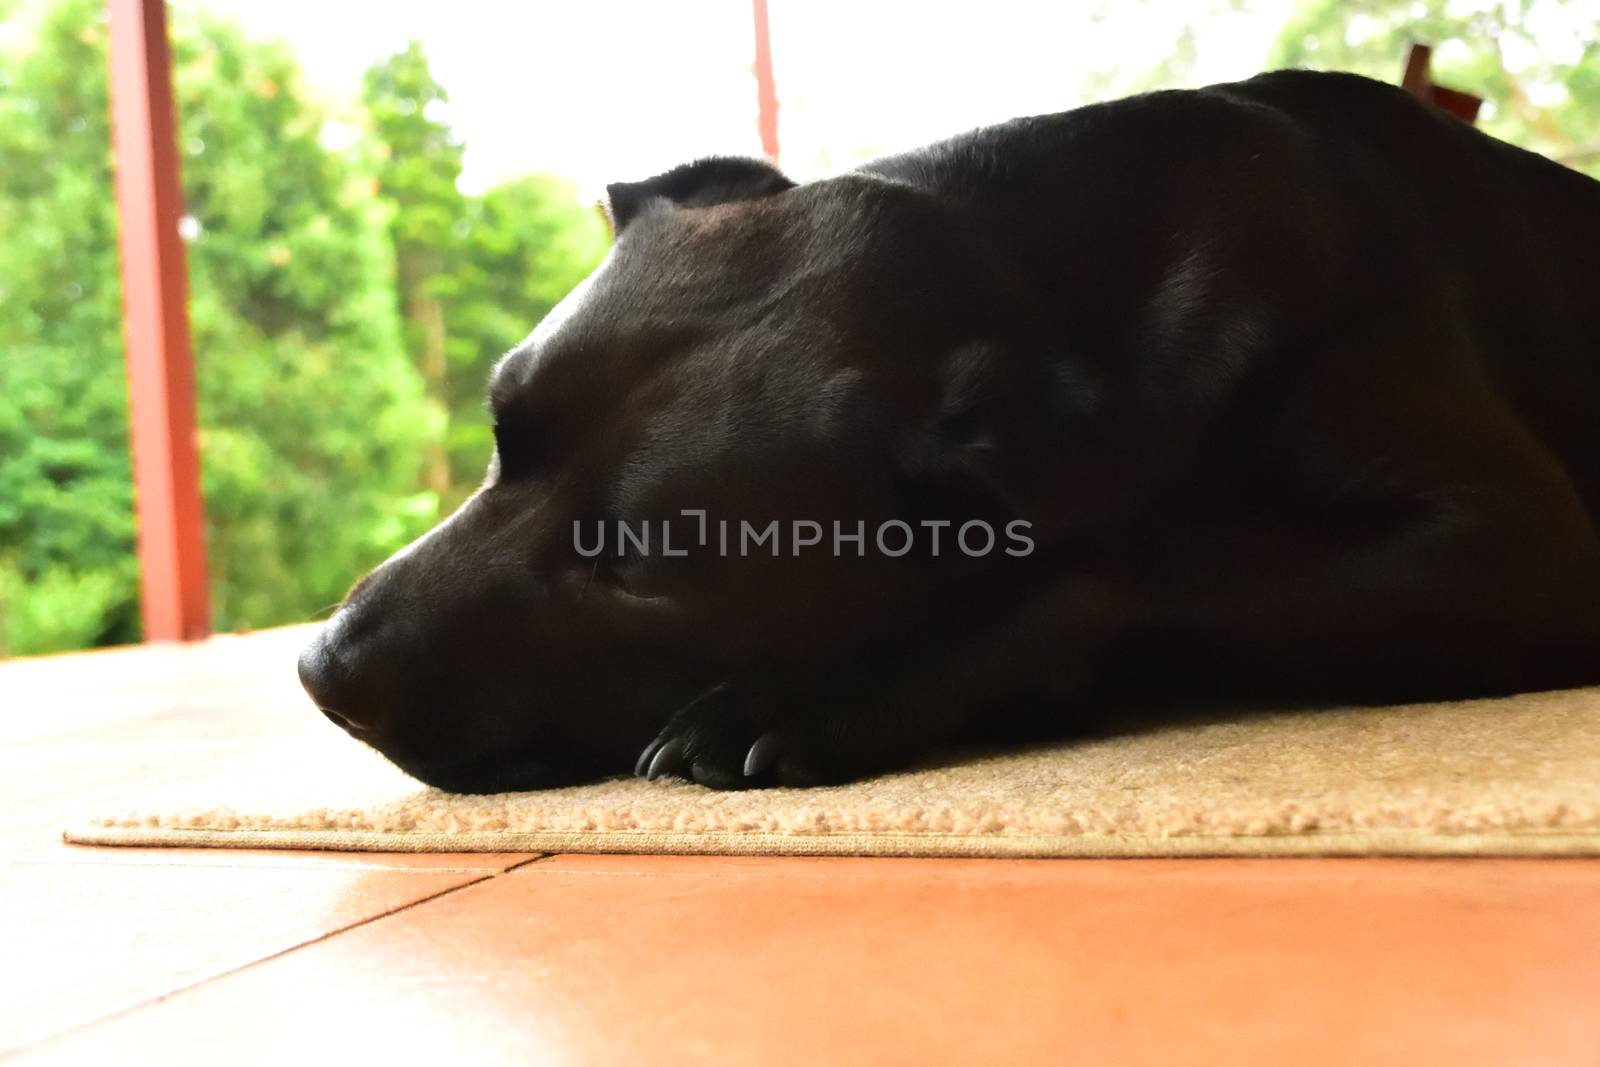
750, 352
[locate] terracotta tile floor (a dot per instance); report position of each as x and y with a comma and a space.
201, 956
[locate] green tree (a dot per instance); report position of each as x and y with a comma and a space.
474, 273
417, 160
312, 416
1535, 62
67, 574
525, 243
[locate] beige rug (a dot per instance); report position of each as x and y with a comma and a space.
1494, 777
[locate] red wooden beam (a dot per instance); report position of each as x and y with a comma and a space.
166, 462
766, 88
1418, 81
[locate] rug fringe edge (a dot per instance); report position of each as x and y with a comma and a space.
730, 843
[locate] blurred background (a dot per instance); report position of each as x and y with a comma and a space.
381, 198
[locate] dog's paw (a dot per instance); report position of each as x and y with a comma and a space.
736, 738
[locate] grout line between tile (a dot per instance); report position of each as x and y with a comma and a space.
265, 865
44, 1042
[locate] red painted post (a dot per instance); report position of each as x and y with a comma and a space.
1418, 78
766, 89
1418, 81
166, 462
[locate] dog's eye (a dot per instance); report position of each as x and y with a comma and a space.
631, 580
615, 574
625, 572
516, 449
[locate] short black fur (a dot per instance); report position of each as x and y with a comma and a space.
1295, 381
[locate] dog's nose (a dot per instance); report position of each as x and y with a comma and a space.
332, 686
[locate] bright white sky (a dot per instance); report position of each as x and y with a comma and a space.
622, 89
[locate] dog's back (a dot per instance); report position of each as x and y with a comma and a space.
1507, 235
1338, 195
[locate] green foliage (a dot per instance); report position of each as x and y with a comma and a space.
415, 158
473, 272
312, 417
1536, 62
61, 608
65, 494
346, 305
523, 245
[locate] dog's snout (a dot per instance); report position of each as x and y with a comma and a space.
333, 686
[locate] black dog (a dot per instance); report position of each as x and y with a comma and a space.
1286, 387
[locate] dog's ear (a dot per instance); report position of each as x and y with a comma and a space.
716, 180
952, 468
998, 417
